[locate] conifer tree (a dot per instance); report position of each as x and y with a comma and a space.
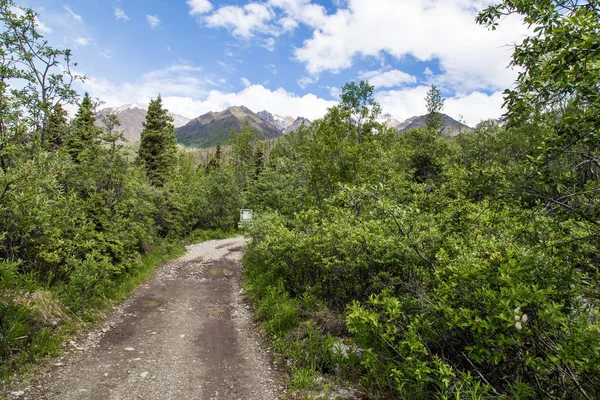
215, 161
57, 127
84, 135
158, 145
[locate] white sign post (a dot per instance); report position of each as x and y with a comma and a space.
245, 216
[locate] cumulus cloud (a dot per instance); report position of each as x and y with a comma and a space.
198, 7
186, 91
242, 21
470, 56
73, 15
153, 20
255, 97
391, 78
474, 107
120, 14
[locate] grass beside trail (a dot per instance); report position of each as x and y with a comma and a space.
36, 319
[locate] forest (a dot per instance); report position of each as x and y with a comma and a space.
413, 265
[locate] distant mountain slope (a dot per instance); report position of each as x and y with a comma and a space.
452, 126
211, 128
132, 117
278, 121
389, 120
300, 121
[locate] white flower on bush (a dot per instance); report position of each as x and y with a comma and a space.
520, 319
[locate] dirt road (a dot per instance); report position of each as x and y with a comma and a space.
186, 334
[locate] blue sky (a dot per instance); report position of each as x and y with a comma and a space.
290, 57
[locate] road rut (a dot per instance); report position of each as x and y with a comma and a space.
185, 334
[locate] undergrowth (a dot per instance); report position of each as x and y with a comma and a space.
37, 318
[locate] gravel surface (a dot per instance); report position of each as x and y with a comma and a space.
186, 334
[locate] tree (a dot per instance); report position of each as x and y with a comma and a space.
158, 146
242, 154
435, 104
559, 87
57, 127
26, 56
44, 79
359, 104
560, 62
215, 161
84, 135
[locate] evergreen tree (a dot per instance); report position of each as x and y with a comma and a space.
158, 145
259, 159
435, 104
57, 127
215, 161
84, 135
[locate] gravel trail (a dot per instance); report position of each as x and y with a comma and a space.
185, 334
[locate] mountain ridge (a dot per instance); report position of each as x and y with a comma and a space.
215, 127
132, 117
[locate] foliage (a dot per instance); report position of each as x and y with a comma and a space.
449, 278
158, 145
80, 225
435, 104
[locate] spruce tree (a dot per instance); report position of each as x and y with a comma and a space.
158, 146
84, 136
57, 127
215, 161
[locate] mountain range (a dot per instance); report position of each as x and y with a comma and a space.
132, 117
452, 127
215, 127
211, 128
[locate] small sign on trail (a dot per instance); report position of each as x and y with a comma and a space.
245, 217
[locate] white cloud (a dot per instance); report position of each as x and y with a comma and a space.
199, 6
153, 20
269, 44
175, 80
334, 92
106, 53
272, 68
391, 78
73, 15
473, 107
81, 41
255, 97
120, 14
42, 27
288, 24
242, 21
304, 81
186, 91
303, 11
470, 56
246, 82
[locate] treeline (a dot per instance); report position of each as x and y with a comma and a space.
81, 220
425, 266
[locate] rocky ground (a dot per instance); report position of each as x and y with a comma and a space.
186, 334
